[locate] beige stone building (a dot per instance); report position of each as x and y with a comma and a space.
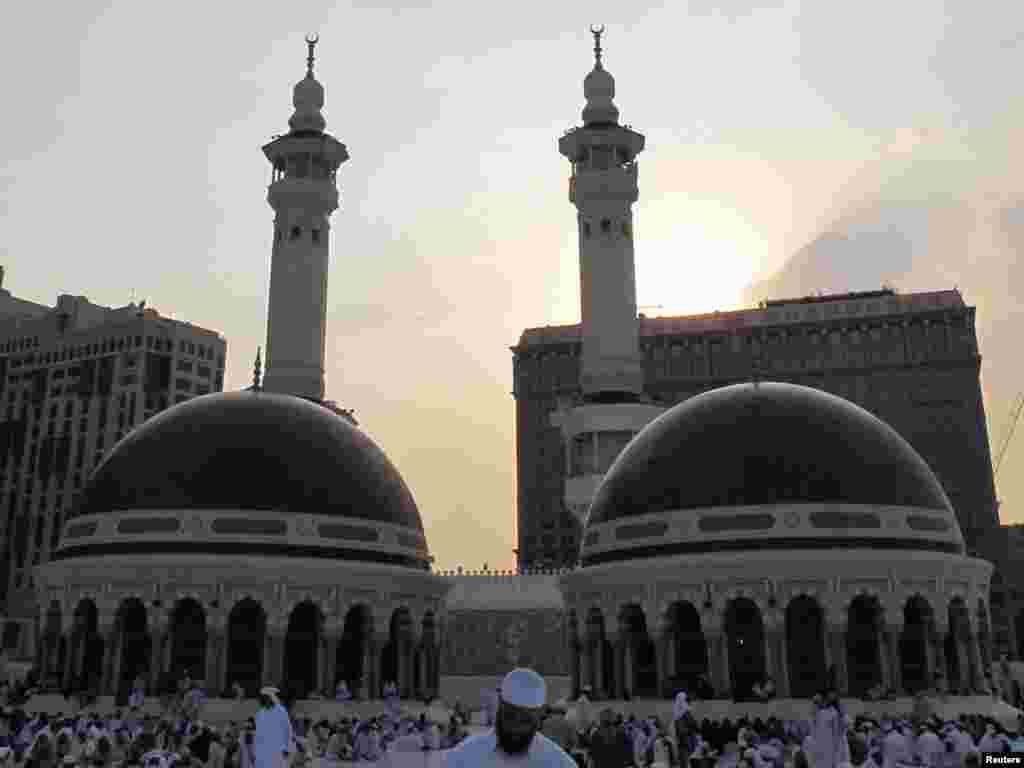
74, 379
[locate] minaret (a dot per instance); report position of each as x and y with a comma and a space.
603, 187
303, 193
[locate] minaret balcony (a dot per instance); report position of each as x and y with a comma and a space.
573, 144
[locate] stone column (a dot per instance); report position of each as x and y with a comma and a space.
965, 661
978, 682
895, 667
116, 652
367, 684
214, 672
772, 637
70, 654
600, 684
329, 673
782, 670
660, 637
273, 653
110, 648
156, 666
586, 653
837, 642
421, 671
718, 663
575, 676
936, 677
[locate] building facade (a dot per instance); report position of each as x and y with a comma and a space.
910, 359
74, 379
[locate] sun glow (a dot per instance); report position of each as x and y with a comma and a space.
695, 268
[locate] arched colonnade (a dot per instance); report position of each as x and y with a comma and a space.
629, 648
304, 648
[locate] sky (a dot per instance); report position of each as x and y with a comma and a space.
791, 147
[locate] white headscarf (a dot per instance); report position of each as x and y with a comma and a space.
271, 693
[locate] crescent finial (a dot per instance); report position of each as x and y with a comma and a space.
311, 41
597, 31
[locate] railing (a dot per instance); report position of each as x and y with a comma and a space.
459, 572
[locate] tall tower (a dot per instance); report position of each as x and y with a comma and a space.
603, 187
303, 193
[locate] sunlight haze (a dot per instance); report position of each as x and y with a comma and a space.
791, 147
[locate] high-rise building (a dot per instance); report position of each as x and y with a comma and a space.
910, 359
74, 379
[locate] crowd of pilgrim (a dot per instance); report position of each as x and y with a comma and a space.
514, 722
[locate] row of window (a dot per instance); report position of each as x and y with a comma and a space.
296, 234
108, 345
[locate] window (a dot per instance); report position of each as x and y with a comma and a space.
183, 384
316, 235
296, 233
204, 371
185, 365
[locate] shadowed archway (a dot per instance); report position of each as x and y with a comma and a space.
688, 646
915, 655
302, 649
805, 646
188, 640
133, 637
353, 649
863, 644
744, 629
247, 630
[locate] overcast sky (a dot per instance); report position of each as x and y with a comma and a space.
132, 169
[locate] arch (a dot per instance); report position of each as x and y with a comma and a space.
396, 656
429, 678
247, 632
87, 647
302, 649
805, 646
744, 629
688, 646
640, 677
864, 617
915, 644
188, 639
133, 637
353, 649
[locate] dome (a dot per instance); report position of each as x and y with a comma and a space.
599, 90
257, 452
308, 100
832, 470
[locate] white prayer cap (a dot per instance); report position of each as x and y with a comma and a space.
524, 688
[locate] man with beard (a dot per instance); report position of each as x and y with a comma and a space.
515, 738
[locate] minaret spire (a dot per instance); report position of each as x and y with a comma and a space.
311, 42
257, 371
597, 32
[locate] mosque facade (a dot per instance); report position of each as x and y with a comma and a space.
763, 529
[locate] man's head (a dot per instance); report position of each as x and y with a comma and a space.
268, 697
520, 706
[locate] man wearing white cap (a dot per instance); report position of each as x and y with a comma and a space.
515, 738
273, 743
